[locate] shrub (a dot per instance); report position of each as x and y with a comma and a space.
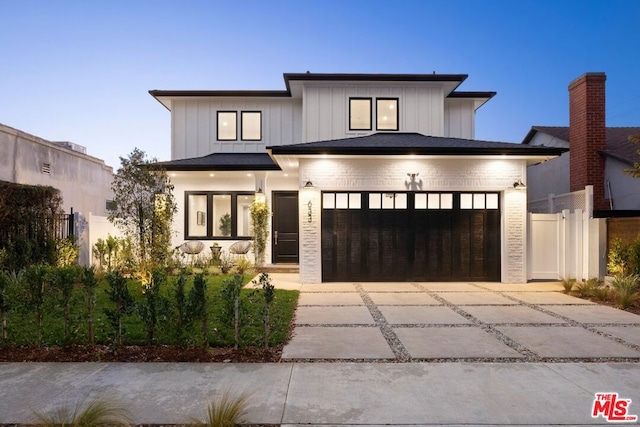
587, 288
4, 303
153, 304
32, 282
226, 410
122, 301
243, 265
232, 311
66, 252
197, 306
568, 285
95, 413
62, 280
226, 262
268, 295
180, 305
626, 288
90, 285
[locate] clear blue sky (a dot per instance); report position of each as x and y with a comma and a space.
81, 70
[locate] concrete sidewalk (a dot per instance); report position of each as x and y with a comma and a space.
330, 393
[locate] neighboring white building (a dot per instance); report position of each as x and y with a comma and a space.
84, 181
596, 155
370, 177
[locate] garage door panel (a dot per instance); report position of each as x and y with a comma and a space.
412, 244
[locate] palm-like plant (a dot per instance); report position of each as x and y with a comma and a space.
226, 410
97, 412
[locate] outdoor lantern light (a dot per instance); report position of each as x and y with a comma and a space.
519, 185
308, 184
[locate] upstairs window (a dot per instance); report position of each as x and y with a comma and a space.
359, 113
387, 113
251, 125
227, 126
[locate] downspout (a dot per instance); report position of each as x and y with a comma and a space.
610, 195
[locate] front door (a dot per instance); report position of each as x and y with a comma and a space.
284, 238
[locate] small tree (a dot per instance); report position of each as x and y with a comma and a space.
154, 305
268, 295
144, 207
231, 293
32, 280
180, 305
63, 280
122, 301
197, 305
90, 285
260, 222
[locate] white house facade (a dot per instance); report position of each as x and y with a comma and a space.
369, 177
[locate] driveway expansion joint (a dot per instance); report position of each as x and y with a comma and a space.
388, 333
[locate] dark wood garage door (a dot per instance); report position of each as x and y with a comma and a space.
410, 236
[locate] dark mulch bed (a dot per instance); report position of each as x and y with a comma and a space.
102, 353
610, 302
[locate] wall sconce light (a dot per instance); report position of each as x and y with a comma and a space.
309, 209
519, 185
308, 184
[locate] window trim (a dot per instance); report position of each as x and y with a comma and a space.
209, 214
397, 114
235, 123
359, 98
242, 138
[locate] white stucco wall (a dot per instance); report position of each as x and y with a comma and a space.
390, 174
625, 189
84, 181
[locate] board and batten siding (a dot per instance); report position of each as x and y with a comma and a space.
326, 109
194, 125
459, 118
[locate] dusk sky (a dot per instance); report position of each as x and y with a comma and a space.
80, 71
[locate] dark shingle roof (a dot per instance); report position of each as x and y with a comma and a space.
398, 143
221, 162
617, 144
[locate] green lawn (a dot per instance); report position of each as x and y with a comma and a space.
22, 329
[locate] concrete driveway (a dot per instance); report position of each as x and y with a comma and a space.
473, 322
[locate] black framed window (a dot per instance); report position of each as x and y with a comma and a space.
387, 114
227, 129
217, 215
360, 113
251, 125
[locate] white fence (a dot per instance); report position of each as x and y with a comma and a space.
582, 200
99, 227
566, 245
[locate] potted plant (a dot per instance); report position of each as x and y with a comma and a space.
225, 225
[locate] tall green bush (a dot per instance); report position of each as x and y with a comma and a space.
153, 304
4, 303
33, 284
63, 280
122, 303
90, 285
28, 219
260, 221
232, 311
197, 306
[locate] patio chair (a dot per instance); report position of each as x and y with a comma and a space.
240, 248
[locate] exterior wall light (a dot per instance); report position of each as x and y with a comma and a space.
308, 184
519, 185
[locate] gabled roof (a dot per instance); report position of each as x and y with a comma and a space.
398, 143
617, 145
221, 162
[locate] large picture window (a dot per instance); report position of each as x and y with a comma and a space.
359, 113
218, 215
227, 126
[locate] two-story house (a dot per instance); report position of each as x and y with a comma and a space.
370, 177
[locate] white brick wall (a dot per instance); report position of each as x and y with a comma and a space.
435, 175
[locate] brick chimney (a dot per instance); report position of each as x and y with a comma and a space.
587, 135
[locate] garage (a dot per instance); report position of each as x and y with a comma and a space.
410, 236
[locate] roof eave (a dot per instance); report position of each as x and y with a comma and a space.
399, 151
